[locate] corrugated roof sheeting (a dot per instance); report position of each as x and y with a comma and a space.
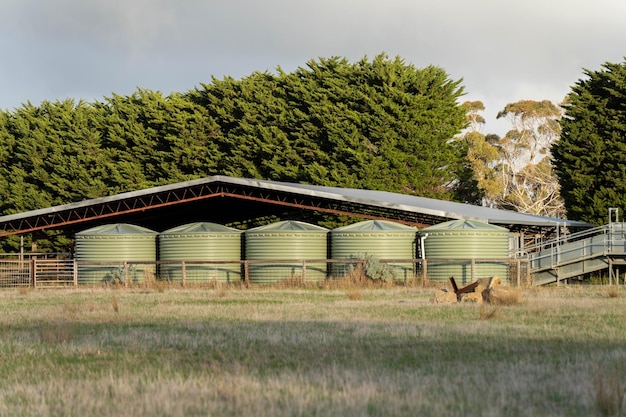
384, 204
438, 208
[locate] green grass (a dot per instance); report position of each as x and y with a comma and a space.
310, 352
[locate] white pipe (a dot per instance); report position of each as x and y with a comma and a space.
422, 248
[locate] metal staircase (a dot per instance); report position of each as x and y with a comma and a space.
578, 254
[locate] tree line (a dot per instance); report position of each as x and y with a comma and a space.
379, 124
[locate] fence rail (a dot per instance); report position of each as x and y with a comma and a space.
50, 273
55, 273
15, 273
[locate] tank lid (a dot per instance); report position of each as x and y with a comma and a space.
201, 227
117, 229
464, 225
369, 225
289, 225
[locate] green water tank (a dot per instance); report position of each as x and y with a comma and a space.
380, 239
201, 241
286, 240
453, 245
101, 252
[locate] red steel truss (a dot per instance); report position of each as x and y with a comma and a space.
161, 198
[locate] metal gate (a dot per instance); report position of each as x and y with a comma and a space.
15, 273
50, 273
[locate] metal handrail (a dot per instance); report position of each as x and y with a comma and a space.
555, 249
538, 247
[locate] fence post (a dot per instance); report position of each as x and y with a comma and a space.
184, 272
472, 268
424, 271
75, 267
303, 271
126, 274
31, 272
246, 277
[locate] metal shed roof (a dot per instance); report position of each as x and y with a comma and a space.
224, 199
436, 208
289, 226
464, 225
200, 228
375, 226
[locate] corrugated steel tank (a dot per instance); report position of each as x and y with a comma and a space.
286, 240
115, 243
465, 240
201, 241
378, 238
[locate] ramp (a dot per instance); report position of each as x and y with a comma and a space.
577, 254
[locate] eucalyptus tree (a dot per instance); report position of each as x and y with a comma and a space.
524, 167
481, 156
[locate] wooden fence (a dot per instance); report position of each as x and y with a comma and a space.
56, 273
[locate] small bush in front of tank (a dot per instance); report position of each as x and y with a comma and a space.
377, 270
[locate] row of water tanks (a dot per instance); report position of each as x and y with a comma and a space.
287, 240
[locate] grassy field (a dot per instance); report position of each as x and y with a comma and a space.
310, 352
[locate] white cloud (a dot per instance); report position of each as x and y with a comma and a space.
505, 51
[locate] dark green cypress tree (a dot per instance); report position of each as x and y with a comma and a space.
590, 157
50, 156
384, 125
378, 124
151, 140
53, 157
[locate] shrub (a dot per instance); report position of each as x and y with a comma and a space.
377, 270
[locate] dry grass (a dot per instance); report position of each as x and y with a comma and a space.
613, 291
355, 294
115, 304
503, 296
609, 390
489, 312
424, 282
309, 351
161, 285
355, 279
56, 333
221, 291
294, 281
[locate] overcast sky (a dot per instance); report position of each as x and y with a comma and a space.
503, 50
